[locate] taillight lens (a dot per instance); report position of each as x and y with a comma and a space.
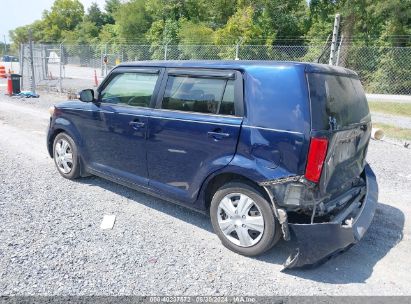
316, 157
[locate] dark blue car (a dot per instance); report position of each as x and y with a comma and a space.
268, 149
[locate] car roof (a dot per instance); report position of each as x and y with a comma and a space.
240, 65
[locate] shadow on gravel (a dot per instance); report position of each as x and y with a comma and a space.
182, 213
356, 264
353, 266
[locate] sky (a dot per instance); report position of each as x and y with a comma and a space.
15, 13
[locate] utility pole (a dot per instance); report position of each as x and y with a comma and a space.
334, 39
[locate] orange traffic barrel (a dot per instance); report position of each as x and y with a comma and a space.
9, 85
2, 71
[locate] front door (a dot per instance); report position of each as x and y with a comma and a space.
125, 101
193, 130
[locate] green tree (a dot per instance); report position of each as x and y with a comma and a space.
220, 11
190, 32
109, 33
95, 15
133, 21
321, 16
163, 33
21, 34
111, 7
85, 32
239, 28
64, 15
192, 36
395, 22
166, 9
287, 19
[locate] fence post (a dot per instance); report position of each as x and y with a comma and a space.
44, 66
105, 65
61, 69
237, 49
165, 51
21, 64
337, 61
101, 62
33, 80
334, 39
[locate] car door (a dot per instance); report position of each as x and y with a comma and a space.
193, 130
124, 103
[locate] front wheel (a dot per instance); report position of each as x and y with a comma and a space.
65, 156
243, 219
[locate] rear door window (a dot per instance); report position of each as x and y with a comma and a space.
336, 101
198, 94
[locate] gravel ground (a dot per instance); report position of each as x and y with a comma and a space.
51, 242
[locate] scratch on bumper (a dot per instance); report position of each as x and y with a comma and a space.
317, 242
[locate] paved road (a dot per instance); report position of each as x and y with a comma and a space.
393, 120
51, 242
389, 98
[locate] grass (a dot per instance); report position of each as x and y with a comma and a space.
393, 131
394, 108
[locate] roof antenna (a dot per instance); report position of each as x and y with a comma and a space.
326, 47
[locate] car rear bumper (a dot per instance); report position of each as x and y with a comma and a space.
314, 243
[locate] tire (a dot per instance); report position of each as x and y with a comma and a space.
250, 205
67, 166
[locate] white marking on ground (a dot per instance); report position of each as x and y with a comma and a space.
108, 222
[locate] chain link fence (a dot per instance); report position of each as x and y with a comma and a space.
383, 70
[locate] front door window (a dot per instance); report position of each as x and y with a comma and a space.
132, 89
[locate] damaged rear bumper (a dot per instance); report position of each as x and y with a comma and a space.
317, 242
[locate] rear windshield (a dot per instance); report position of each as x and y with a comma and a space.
336, 101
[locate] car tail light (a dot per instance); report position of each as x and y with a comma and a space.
316, 156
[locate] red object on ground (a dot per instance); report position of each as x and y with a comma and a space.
95, 79
9, 85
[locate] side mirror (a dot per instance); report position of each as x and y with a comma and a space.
87, 95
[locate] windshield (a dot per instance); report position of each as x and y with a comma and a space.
336, 101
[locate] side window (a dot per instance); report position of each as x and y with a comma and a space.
133, 89
202, 95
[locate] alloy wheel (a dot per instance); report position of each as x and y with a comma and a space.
64, 156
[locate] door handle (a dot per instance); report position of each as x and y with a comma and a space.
136, 124
218, 134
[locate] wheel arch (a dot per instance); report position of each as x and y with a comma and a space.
51, 140
59, 125
216, 181
72, 133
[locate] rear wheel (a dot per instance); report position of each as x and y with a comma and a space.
65, 156
243, 219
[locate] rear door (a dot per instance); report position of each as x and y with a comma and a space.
339, 111
193, 130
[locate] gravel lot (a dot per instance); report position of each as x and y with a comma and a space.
51, 242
